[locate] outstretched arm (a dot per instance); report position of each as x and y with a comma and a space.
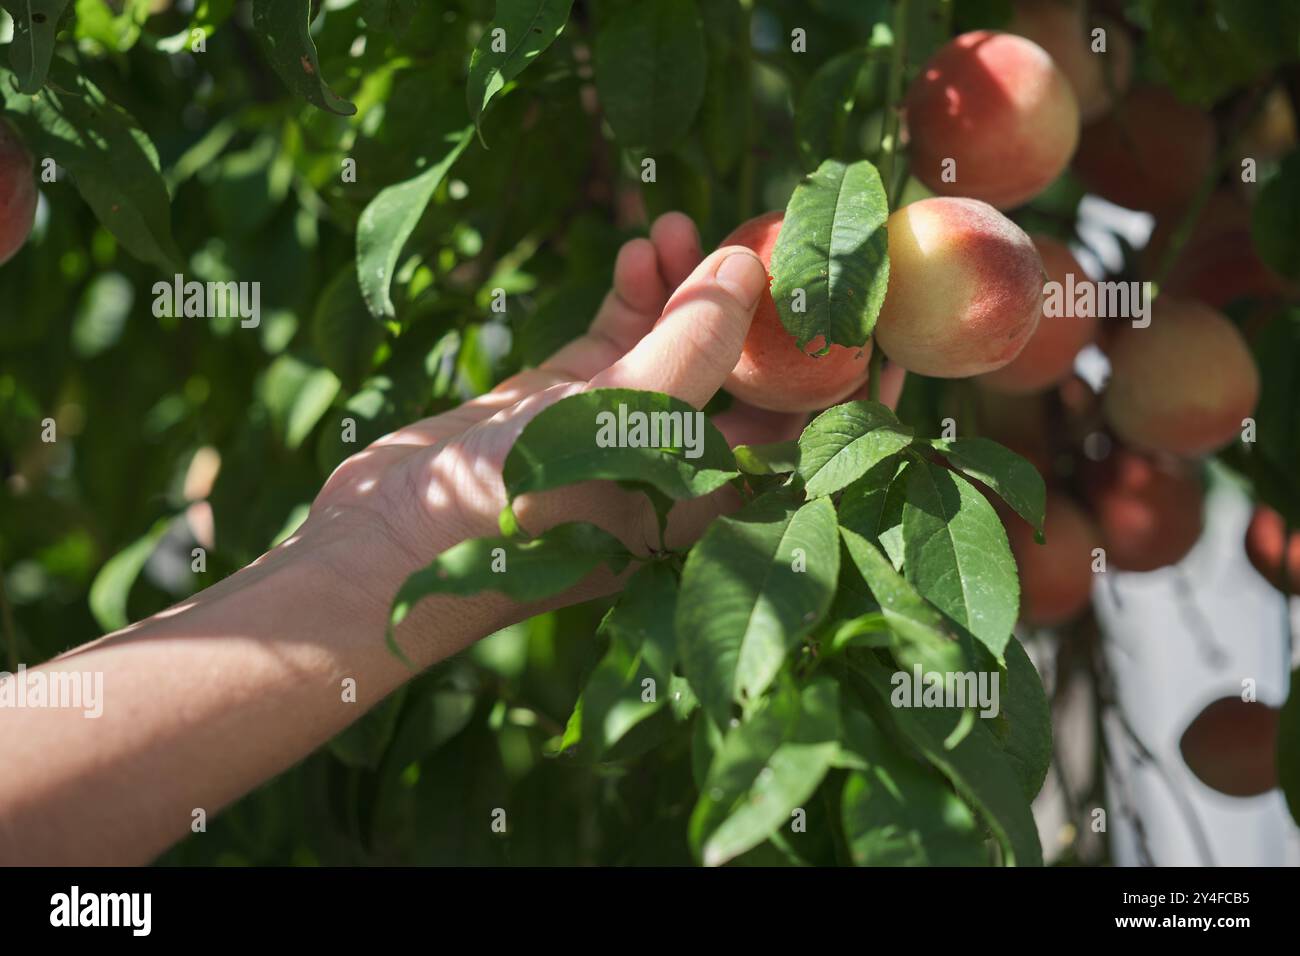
206, 700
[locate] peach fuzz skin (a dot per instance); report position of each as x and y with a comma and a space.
997, 105
17, 193
1056, 576
1048, 357
965, 289
773, 372
1062, 28
1183, 384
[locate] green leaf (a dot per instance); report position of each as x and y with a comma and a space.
428, 722
524, 571
112, 162
897, 812
1288, 747
743, 604
297, 395
388, 221
35, 24
596, 435
866, 630
527, 28
922, 634
650, 71
681, 698
774, 458
116, 27
642, 620
1028, 741
284, 29
764, 769
706, 739
957, 555
824, 108
831, 257
612, 702
1206, 50
873, 506
1275, 221
112, 585
342, 331
843, 443
1015, 480
978, 770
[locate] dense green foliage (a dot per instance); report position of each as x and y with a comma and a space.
426, 214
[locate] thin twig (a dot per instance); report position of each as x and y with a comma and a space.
897, 67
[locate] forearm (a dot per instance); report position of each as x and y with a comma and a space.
208, 699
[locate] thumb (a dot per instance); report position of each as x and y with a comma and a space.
697, 341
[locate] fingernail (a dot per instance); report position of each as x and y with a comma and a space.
743, 276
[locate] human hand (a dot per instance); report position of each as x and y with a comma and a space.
674, 322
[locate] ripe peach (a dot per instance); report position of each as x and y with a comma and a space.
1055, 577
1184, 383
1062, 28
1218, 264
17, 193
997, 106
965, 288
1231, 747
773, 372
1150, 153
1266, 540
1048, 356
1149, 512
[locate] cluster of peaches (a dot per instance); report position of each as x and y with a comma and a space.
992, 119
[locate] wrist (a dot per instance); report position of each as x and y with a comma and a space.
355, 567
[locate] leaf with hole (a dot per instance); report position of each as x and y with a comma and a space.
35, 24
284, 29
